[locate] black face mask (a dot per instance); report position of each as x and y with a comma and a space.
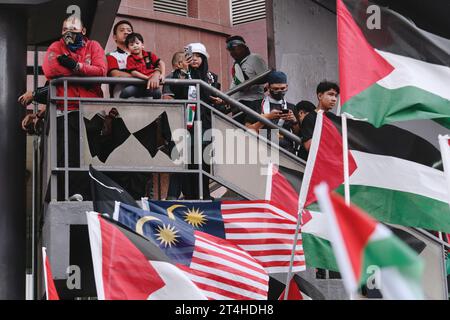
73, 40
278, 95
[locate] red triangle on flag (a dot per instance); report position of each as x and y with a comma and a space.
294, 292
127, 274
360, 66
325, 160
281, 192
50, 288
356, 227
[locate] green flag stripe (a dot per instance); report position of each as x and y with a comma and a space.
391, 252
318, 253
381, 106
401, 208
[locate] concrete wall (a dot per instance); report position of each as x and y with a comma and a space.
304, 45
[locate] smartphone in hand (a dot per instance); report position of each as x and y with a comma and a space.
188, 52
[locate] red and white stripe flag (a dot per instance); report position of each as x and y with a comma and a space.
444, 143
219, 268
50, 289
266, 231
224, 271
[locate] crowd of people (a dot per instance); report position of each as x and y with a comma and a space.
76, 55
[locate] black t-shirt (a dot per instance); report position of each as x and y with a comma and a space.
307, 126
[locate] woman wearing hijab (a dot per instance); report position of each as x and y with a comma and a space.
199, 69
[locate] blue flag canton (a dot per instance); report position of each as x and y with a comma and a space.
201, 216
174, 238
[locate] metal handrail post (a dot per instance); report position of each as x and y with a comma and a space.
199, 142
66, 146
53, 145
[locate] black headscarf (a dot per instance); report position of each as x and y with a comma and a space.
201, 72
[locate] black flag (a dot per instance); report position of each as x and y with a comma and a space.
105, 192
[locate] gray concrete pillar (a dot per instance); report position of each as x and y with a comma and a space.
13, 50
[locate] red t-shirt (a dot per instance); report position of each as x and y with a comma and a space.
145, 65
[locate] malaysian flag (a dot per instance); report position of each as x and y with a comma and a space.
219, 268
262, 228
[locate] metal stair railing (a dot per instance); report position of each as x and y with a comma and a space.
201, 85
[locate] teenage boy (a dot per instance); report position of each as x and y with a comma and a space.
327, 95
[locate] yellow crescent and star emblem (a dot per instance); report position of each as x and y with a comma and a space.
193, 216
166, 235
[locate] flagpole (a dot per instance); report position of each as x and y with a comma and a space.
352, 296
345, 159
304, 190
291, 263
444, 145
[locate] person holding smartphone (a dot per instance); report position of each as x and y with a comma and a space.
275, 108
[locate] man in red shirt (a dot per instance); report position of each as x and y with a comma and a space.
143, 65
74, 55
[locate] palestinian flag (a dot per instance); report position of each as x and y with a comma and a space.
396, 72
360, 242
396, 181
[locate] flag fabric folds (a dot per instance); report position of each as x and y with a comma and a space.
359, 242
390, 74
126, 271
50, 288
283, 187
105, 192
219, 268
397, 180
325, 160
261, 228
